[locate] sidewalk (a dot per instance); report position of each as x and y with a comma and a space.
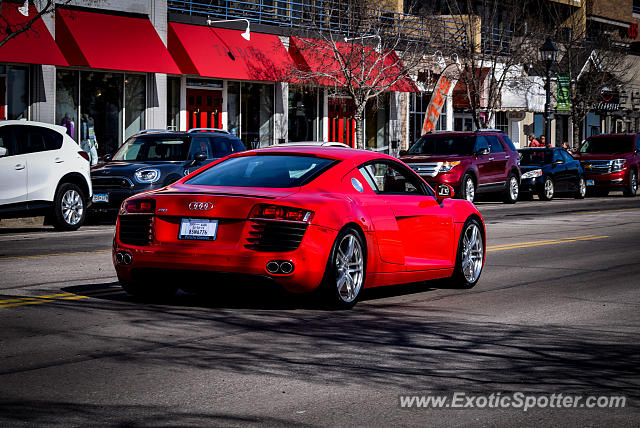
21, 223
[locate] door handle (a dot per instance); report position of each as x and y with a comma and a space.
491, 158
58, 160
19, 166
507, 157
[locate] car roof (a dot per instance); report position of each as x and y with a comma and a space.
470, 133
57, 128
311, 143
330, 152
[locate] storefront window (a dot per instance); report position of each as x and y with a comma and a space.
67, 101
101, 104
256, 124
303, 114
135, 92
502, 122
173, 103
17, 93
418, 106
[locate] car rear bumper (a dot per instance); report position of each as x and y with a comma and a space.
308, 260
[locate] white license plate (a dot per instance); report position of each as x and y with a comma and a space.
198, 228
590, 183
100, 197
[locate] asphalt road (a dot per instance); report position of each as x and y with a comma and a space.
556, 311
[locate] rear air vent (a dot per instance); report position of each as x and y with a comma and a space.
276, 236
135, 229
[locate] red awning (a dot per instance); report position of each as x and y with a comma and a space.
34, 46
369, 66
224, 54
460, 97
112, 42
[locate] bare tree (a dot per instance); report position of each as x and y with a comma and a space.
594, 61
361, 51
492, 43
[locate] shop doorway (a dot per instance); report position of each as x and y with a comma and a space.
342, 125
204, 108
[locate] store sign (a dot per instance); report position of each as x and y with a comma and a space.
443, 88
516, 115
564, 92
608, 106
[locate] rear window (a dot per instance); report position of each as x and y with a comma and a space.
612, 144
443, 145
275, 171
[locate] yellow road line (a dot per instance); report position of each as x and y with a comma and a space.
540, 243
34, 302
71, 253
610, 211
75, 297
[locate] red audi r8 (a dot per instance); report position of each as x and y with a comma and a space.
331, 219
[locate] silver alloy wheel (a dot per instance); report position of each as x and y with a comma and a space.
582, 187
472, 253
349, 268
72, 207
514, 188
548, 188
469, 190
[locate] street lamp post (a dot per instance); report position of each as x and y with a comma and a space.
548, 52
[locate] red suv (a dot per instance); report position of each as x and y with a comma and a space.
610, 162
471, 162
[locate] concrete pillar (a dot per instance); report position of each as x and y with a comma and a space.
281, 113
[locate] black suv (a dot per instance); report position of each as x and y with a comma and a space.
155, 158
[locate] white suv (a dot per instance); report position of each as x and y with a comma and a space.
43, 172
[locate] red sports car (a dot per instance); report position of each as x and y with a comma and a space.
330, 219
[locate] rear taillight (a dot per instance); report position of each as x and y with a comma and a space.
84, 154
138, 206
278, 212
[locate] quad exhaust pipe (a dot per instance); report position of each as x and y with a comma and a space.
280, 267
124, 258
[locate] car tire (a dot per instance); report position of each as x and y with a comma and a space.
469, 256
512, 191
342, 288
148, 290
632, 186
582, 189
69, 207
548, 189
468, 188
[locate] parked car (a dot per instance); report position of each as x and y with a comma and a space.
611, 162
471, 162
43, 172
155, 158
328, 218
548, 172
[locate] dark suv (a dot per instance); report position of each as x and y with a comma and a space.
471, 162
611, 162
153, 159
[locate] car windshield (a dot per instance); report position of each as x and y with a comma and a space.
603, 145
153, 148
263, 171
535, 157
443, 145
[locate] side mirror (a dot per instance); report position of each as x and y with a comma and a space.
3, 151
108, 157
403, 152
483, 151
444, 191
558, 162
200, 157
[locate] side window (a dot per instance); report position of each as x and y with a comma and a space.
509, 143
7, 141
223, 147
390, 179
200, 145
566, 156
638, 143
481, 143
495, 146
32, 139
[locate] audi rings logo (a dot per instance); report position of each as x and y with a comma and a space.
200, 206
